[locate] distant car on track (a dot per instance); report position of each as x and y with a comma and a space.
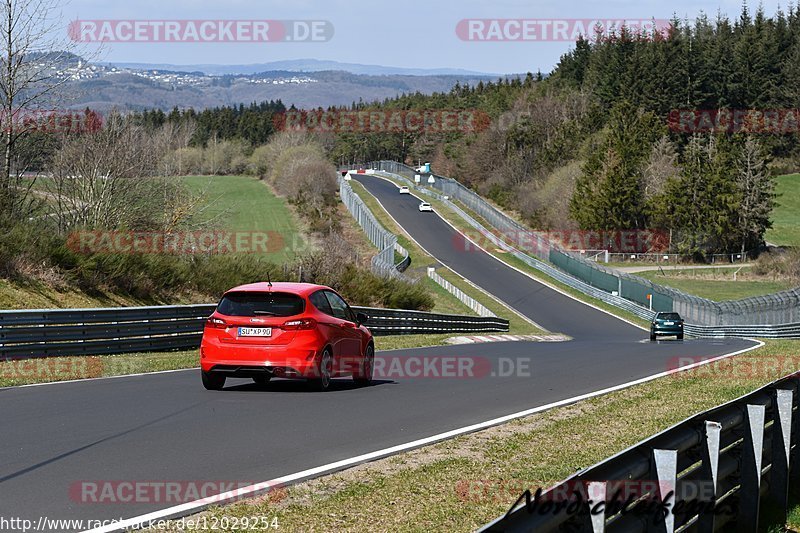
666, 324
425, 206
285, 330
404, 190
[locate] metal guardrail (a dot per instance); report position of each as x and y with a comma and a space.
780, 331
400, 322
765, 311
464, 298
386, 242
45, 333
405, 262
713, 471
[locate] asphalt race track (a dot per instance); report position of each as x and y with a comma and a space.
166, 427
548, 308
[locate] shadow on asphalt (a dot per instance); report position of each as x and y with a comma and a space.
296, 385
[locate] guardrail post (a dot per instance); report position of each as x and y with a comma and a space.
596, 492
665, 464
781, 446
794, 456
752, 455
710, 472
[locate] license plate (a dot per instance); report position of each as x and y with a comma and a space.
255, 332
669, 323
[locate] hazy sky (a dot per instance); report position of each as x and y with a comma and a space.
402, 33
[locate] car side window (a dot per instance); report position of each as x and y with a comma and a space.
320, 302
339, 306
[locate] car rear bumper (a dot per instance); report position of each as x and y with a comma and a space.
251, 361
667, 330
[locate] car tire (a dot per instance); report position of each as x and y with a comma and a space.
324, 370
363, 376
680, 337
213, 381
652, 336
262, 380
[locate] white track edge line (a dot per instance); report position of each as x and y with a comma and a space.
100, 378
198, 505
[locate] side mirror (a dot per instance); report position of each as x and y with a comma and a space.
361, 319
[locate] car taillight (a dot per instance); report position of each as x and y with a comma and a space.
216, 323
303, 323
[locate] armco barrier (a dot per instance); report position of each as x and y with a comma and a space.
713, 471
383, 263
777, 308
464, 298
43, 333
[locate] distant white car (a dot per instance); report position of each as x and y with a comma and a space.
404, 190
425, 206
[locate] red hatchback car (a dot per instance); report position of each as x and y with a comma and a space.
286, 330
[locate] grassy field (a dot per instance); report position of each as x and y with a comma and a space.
37, 295
710, 283
786, 216
243, 203
462, 483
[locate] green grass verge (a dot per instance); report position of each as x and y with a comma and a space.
46, 370
244, 203
702, 283
38, 295
463, 483
420, 259
785, 229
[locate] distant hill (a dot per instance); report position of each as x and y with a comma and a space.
104, 86
304, 65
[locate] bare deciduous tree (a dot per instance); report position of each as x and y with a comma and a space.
757, 189
35, 51
176, 138
660, 168
107, 180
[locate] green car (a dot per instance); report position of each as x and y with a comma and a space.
666, 324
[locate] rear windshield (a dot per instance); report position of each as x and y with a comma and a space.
669, 316
261, 304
